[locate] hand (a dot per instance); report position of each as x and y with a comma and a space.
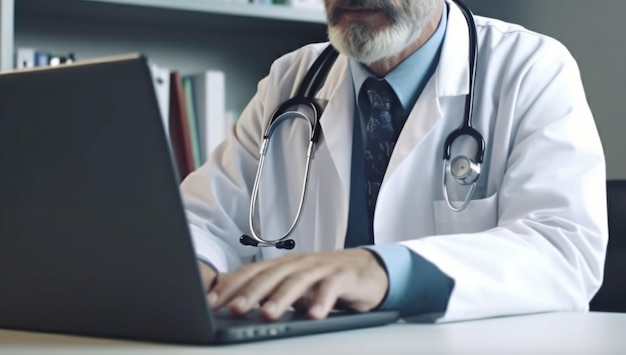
352, 278
207, 275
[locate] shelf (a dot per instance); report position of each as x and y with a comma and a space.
275, 12
175, 13
190, 36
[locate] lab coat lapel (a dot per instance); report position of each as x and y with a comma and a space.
337, 118
450, 79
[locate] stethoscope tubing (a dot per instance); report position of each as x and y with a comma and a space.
305, 96
466, 129
255, 189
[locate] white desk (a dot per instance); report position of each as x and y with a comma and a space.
549, 333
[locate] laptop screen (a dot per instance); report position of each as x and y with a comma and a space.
93, 237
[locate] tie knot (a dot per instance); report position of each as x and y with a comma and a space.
379, 94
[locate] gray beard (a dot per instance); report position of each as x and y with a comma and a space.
368, 46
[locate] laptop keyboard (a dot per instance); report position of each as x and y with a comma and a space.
223, 318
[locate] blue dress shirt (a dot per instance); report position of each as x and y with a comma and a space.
416, 286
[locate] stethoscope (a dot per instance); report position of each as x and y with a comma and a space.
463, 169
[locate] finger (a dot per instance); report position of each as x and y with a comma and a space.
228, 285
264, 283
328, 292
291, 289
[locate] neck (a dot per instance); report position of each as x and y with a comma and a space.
384, 66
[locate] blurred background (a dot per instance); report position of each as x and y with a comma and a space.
242, 40
593, 31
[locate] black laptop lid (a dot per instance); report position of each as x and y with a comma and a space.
93, 237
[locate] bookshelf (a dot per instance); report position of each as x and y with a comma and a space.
190, 36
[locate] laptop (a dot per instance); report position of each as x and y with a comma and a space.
93, 236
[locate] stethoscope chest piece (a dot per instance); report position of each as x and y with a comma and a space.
464, 170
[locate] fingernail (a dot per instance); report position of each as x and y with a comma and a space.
213, 299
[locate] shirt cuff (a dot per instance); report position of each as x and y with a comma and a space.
416, 286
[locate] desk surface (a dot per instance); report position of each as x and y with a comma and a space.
549, 333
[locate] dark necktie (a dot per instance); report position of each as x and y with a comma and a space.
379, 138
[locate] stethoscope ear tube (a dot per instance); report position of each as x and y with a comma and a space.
255, 238
317, 74
465, 131
287, 108
305, 100
285, 244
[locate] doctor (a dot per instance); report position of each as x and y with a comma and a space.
532, 238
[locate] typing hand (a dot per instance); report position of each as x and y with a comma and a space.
208, 276
352, 278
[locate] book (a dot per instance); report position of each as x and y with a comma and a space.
209, 94
209, 97
192, 120
179, 127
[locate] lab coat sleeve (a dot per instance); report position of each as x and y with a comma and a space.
217, 195
547, 251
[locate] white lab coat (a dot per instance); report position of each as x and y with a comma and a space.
533, 238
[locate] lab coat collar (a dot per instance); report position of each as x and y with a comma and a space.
452, 74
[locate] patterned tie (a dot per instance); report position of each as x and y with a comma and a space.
380, 138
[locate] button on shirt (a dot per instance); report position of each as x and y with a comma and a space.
416, 286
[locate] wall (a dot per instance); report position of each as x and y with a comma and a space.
594, 33
176, 39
